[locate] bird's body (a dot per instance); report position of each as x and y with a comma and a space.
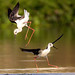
21, 21
42, 52
39, 52
14, 17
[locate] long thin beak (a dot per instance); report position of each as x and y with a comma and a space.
15, 37
57, 39
55, 47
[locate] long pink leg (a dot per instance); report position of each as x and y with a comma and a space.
31, 35
27, 30
36, 63
50, 64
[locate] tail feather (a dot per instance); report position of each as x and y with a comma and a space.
25, 50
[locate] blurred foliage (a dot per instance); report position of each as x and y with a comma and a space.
49, 17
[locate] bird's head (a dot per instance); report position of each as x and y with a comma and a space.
52, 44
15, 32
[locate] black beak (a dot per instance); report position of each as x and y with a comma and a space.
56, 40
15, 37
55, 47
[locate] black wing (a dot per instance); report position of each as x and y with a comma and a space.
35, 51
12, 14
9, 11
15, 9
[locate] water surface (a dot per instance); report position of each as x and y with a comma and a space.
12, 60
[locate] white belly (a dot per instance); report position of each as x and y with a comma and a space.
21, 23
44, 53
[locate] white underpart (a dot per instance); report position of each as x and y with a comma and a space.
46, 51
22, 22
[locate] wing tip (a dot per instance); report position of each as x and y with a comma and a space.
9, 11
18, 3
16, 6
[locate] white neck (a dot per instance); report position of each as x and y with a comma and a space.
49, 47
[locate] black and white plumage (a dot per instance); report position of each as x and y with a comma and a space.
13, 14
34, 51
39, 52
21, 21
42, 53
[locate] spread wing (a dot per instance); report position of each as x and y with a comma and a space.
34, 51
13, 14
15, 10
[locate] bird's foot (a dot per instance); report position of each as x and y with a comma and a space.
56, 66
37, 71
53, 65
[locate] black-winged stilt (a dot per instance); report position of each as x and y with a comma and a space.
20, 20
42, 53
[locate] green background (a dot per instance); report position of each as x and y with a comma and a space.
48, 17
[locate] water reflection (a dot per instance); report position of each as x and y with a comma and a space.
33, 70
11, 57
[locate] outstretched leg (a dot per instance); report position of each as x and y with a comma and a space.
36, 63
27, 30
31, 35
49, 63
